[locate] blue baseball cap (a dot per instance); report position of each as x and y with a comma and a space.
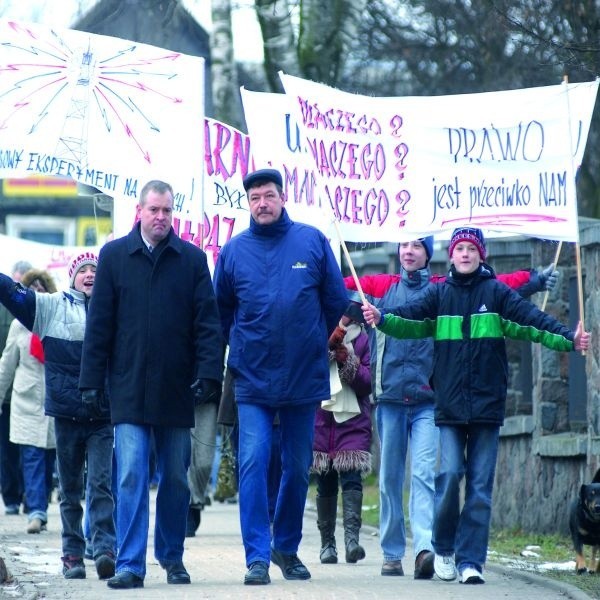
261, 177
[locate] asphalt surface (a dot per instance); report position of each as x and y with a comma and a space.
215, 561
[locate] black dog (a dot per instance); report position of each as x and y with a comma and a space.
584, 522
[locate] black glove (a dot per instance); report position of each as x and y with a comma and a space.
94, 403
206, 390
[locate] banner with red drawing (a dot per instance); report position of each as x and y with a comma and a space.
103, 111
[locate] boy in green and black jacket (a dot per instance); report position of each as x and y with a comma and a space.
469, 316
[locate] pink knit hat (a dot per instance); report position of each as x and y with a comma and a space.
86, 258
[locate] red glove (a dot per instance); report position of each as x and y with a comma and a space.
337, 337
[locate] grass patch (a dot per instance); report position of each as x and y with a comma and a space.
552, 553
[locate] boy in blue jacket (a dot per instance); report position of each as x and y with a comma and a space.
83, 432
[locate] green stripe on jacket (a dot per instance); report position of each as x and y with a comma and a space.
553, 341
485, 325
402, 328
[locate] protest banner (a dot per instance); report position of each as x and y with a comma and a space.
227, 160
277, 143
400, 168
103, 111
54, 259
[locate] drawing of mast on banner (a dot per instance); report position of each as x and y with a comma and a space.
72, 144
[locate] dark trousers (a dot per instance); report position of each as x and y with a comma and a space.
75, 442
11, 477
328, 482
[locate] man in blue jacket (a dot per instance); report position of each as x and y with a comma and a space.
280, 295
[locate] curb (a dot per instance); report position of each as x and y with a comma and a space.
570, 591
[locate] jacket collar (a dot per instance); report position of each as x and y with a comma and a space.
75, 296
416, 279
136, 244
483, 272
273, 229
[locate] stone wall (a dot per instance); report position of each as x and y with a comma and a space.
544, 456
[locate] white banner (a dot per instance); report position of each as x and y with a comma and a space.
104, 111
227, 160
54, 259
278, 143
397, 168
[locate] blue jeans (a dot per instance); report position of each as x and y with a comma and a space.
470, 450
255, 441
274, 472
398, 425
76, 441
132, 450
33, 462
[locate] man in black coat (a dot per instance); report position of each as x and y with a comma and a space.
153, 327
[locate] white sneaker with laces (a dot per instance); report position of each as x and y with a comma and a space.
444, 567
471, 575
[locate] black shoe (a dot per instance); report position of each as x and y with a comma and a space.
125, 581
193, 521
176, 574
424, 565
73, 567
257, 574
105, 565
291, 566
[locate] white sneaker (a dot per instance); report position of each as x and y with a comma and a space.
444, 567
471, 575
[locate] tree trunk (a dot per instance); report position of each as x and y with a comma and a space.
225, 88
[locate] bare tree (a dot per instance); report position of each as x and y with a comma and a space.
279, 41
225, 88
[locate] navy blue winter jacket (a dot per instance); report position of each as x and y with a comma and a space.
280, 295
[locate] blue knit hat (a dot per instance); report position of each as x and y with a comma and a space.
427, 244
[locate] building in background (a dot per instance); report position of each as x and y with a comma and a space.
54, 211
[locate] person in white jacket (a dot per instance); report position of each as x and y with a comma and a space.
22, 365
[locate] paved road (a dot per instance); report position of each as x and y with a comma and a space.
215, 560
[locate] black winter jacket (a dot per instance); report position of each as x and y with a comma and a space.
469, 318
153, 324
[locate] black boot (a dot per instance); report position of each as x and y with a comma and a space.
193, 521
326, 515
352, 505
